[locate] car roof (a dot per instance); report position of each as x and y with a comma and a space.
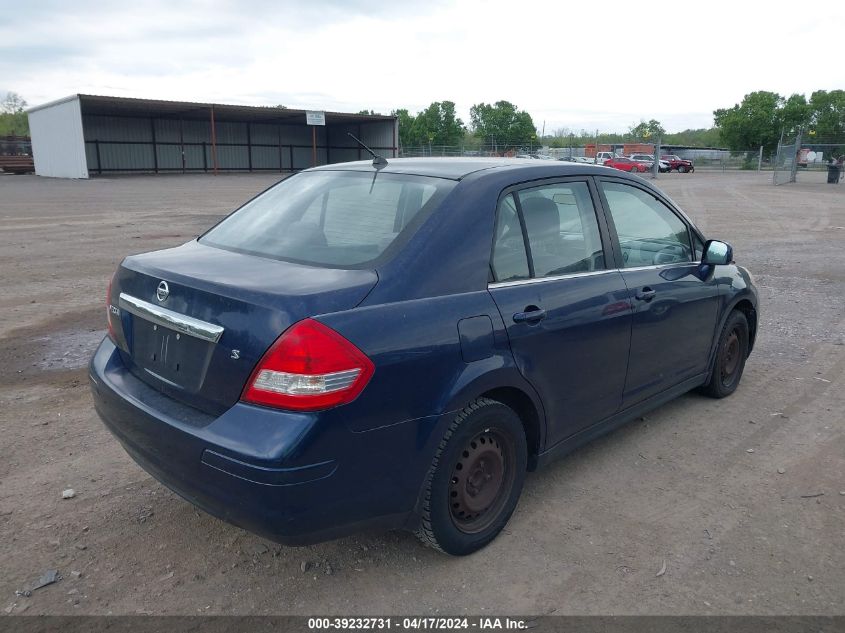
457, 168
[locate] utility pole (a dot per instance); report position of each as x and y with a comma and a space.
655, 168
794, 171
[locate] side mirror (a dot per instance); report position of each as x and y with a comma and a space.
717, 253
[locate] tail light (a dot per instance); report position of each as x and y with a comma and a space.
310, 367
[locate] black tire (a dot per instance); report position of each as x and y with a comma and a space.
475, 479
682, 169
731, 353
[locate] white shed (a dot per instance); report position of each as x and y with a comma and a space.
58, 143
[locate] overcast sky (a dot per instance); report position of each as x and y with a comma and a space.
576, 64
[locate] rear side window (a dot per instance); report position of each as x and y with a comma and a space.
562, 230
649, 232
510, 261
563, 233
330, 218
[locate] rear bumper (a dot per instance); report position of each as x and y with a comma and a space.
295, 478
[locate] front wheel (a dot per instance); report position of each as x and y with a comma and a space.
475, 479
731, 354
682, 169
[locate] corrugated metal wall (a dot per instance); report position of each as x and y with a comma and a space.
57, 141
129, 144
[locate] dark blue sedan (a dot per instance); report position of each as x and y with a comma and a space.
395, 345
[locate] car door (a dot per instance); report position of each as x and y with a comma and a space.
675, 303
565, 307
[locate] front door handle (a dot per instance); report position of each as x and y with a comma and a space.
532, 314
646, 294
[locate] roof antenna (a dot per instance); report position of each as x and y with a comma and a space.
378, 161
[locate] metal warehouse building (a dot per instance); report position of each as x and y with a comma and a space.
83, 135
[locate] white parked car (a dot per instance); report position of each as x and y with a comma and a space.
649, 160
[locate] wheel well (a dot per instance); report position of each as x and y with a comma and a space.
750, 313
527, 412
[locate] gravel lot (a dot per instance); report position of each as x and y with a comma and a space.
743, 499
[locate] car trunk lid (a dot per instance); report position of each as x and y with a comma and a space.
196, 319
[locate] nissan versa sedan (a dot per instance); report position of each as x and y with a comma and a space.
394, 344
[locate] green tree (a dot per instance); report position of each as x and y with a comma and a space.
13, 103
794, 113
13, 118
647, 131
827, 114
761, 118
437, 125
406, 124
503, 124
752, 123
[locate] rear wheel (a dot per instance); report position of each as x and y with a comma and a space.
731, 353
475, 479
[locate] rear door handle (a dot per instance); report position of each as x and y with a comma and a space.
646, 294
532, 314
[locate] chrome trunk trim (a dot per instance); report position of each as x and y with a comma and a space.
170, 319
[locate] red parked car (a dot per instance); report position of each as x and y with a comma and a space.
626, 164
676, 162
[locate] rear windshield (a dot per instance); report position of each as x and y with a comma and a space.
330, 218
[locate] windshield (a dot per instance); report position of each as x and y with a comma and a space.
330, 218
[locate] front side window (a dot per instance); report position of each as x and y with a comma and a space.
649, 232
330, 218
563, 233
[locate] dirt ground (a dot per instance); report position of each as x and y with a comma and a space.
742, 499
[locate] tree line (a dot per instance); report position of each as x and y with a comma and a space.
761, 118
501, 124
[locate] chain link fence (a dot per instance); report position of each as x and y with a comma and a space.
792, 157
703, 158
786, 164
809, 154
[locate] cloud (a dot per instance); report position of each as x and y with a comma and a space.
573, 65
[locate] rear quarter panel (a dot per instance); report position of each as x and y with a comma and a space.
420, 370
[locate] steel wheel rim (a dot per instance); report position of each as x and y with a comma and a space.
481, 481
730, 357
